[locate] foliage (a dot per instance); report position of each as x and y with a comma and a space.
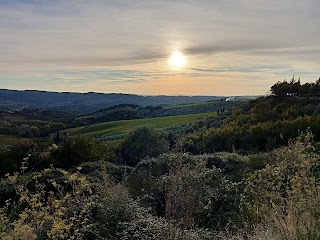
294, 88
121, 217
144, 142
191, 143
189, 191
11, 158
199, 196
51, 209
32, 123
285, 194
261, 136
74, 151
112, 151
174, 196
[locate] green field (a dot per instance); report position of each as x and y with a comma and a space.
125, 126
9, 139
190, 104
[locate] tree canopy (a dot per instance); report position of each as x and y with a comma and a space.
294, 88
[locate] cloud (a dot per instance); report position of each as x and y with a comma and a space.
104, 36
137, 31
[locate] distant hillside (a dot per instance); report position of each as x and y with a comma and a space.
83, 103
117, 128
131, 111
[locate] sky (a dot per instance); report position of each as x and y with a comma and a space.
232, 47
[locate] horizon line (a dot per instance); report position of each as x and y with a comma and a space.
122, 93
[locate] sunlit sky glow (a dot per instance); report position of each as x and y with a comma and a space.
177, 60
232, 47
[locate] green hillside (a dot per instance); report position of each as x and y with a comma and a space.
131, 111
126, 126
191, 104
9, 139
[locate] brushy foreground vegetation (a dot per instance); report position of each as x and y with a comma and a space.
174, 196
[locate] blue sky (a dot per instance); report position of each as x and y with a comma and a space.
232, 47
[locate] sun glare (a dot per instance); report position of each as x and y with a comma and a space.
177, 60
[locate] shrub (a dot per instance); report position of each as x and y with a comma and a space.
191, 143
11, 159
197, 196
142, 143
285, 194
74, 151
46, 208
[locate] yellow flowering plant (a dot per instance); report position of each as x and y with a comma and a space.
52, 204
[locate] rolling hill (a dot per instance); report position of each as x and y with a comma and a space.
107, 129
83, 103
130, 111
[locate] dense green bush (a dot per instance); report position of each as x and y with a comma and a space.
261, 136
74, 151
142, 143
191, 190
285, 193
11, 158
191, 143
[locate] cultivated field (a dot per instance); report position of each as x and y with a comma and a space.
125, 126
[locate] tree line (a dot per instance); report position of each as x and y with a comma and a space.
295, 89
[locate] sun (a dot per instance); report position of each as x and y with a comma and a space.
177, 60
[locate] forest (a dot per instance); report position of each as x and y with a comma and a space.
241, 170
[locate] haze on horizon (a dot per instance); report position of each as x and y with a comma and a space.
231, 47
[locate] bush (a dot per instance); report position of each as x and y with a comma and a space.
191, 143
199, 196
285, 194
11, 159
74, 151
142, 143
232, 165
47, 207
